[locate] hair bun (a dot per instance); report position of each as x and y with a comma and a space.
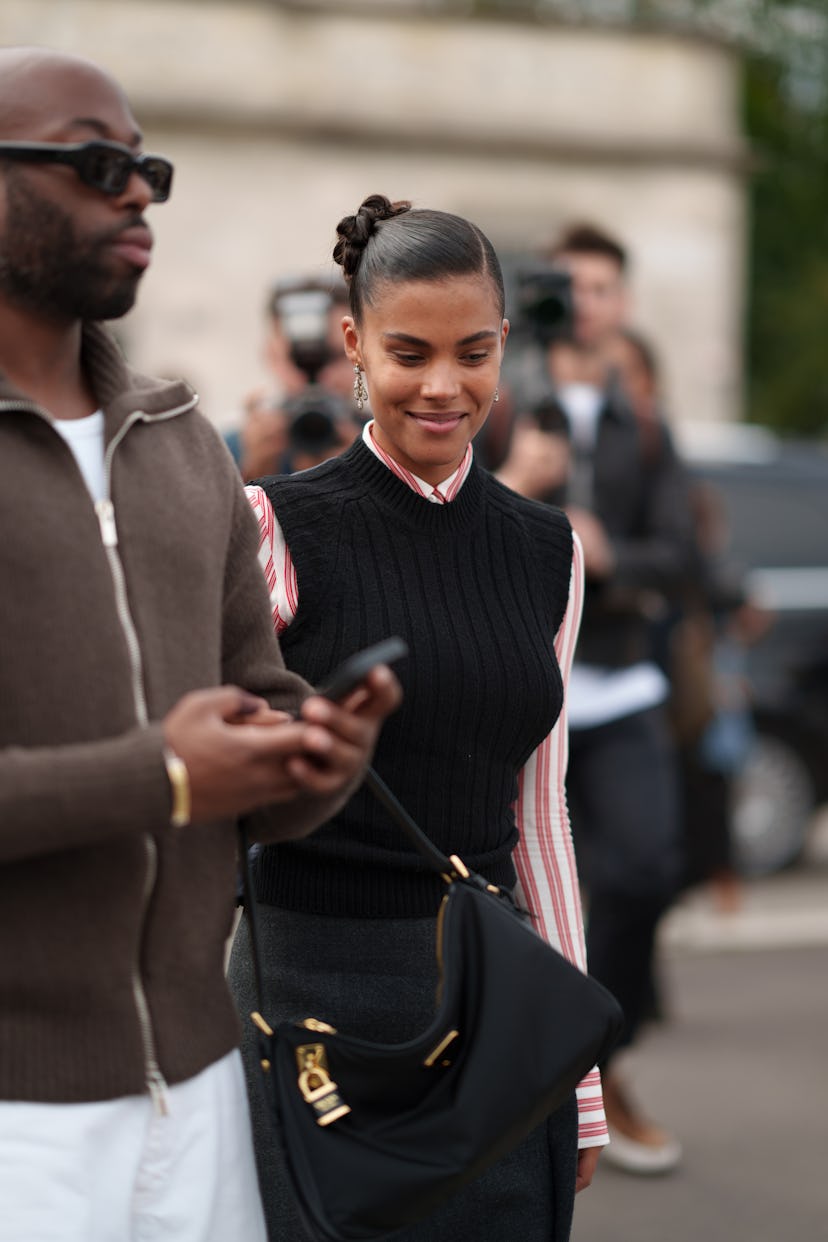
354, 232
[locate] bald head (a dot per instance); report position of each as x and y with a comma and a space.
73, 242
50, 96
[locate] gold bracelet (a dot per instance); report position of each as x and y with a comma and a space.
179, 779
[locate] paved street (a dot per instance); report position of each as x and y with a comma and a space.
740, 1070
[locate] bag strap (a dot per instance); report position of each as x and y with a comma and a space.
448, 866
439, 862
251, 911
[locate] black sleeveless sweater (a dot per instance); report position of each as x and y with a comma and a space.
478, 589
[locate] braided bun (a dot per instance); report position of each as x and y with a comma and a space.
354, 231
409, 244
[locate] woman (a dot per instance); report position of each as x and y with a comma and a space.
404, 534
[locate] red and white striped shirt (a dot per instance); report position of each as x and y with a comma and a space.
544, 856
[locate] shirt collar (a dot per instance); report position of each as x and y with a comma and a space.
443, 492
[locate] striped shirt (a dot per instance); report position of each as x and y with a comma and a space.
544, 856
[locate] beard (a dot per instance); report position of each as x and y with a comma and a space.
46, 269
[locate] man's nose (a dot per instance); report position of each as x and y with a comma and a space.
137, 193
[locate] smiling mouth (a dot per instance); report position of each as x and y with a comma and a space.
441, 421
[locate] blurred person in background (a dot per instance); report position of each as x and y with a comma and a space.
701, 641
303, 340
132, 591
625, 492
633, 358
711, 706
259, 443
282, 436
305, 413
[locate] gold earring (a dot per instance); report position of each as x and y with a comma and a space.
360, 391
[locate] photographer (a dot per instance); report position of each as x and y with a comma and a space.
308, 414
630, 508
303, 344
530, 450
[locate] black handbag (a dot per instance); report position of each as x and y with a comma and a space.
376, 1136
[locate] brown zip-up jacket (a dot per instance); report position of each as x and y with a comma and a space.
112, 923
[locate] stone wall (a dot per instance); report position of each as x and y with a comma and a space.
280, 121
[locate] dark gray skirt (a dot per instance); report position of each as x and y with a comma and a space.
377, 979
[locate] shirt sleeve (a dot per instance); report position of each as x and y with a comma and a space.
545, 856
275, 560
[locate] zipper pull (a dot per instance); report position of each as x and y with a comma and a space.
159, 1092
106, 520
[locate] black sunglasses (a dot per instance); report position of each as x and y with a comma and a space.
106, 166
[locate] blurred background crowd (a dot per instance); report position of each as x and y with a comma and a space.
654, 176
693, 132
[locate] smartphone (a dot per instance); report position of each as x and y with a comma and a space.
356, 668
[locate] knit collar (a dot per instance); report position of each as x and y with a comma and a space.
443, 492
120, 389
395, 495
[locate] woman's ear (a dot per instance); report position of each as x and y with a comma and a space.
349, 332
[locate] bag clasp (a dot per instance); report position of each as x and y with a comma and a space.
317, 1087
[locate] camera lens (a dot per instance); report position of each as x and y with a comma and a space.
314, 417
312, 431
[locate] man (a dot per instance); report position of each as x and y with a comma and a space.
625, 494
310, 374
303, 341
131, 591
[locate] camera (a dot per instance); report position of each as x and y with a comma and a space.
303, 308
315, 421
539, 304
542, 308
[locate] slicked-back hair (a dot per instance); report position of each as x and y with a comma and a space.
398, 244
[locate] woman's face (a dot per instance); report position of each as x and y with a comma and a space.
431, 352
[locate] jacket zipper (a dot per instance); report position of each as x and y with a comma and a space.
105, 510
156, 1083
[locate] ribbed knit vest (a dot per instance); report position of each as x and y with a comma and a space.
478, 589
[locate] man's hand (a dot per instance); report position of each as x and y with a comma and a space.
599, 558
263, 435
241, 755
587, 1164
537, 464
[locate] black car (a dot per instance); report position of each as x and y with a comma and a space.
775, 498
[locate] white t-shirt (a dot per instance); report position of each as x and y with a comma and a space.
582, 406
598, 696
85, 437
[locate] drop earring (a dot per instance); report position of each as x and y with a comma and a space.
496, 395
360, 391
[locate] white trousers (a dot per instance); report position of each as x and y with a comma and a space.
118, 1171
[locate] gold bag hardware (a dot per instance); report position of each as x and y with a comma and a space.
268, 1030
314, 1024
317, 1087
447, 1039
